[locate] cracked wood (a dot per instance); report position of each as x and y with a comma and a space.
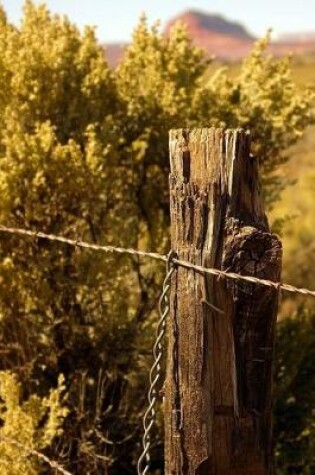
220, 333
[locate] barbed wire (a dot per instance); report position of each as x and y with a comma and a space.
35, 453
172, 262
153, 255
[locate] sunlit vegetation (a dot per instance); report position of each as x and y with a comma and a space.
84, 153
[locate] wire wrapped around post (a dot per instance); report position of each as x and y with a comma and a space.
156, 369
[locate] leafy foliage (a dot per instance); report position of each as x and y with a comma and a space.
295, 394
32, 424
264, 99
83, 153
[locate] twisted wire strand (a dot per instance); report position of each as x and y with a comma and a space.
156, 369
153, 255
81, 244
246, 278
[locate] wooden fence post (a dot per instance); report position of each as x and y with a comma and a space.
221, 331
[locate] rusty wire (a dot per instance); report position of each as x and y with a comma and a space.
156, 370
172, 262
160, 257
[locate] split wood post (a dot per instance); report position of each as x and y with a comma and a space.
221, 332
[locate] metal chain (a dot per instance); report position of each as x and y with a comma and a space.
156, 369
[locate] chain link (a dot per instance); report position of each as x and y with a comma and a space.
156, 369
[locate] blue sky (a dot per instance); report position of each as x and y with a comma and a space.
115, 19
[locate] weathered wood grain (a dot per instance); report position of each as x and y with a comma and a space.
219, 367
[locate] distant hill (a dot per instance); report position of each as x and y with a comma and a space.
201, 24
114, 53
218, 36
305, 37
224, 39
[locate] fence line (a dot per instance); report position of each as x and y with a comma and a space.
153, 255
155, 373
